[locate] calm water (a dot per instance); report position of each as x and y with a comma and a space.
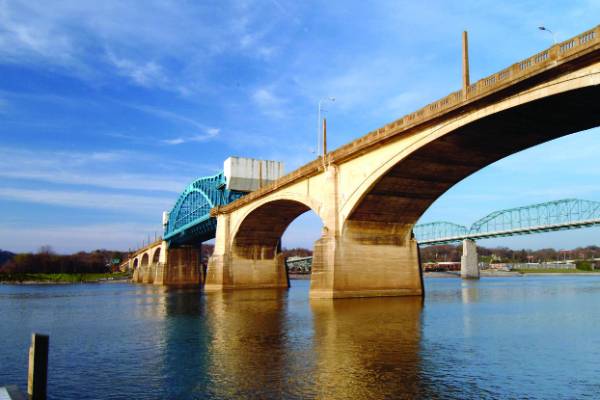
534, 338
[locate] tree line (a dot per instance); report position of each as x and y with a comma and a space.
442, 253
47, 262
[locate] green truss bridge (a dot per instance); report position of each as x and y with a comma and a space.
543, 217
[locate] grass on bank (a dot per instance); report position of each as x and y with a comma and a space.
581, 267
61, 278
552, 271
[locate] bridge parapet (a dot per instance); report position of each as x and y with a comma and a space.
554, 60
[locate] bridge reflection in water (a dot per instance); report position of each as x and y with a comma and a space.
264, 344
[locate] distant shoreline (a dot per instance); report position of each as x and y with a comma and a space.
504, 274
107, 278
61, 279
299, 277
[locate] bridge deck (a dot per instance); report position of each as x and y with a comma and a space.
554, 61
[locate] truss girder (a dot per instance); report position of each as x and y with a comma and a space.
189, 219
542, 217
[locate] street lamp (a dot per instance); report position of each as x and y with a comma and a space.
543, 28
332, 99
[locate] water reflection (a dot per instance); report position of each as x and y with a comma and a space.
368, 348
265, 345
530, 337
247, 352
183, 345
469, 291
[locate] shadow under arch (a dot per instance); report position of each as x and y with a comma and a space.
403, 192
256, 243
156, 256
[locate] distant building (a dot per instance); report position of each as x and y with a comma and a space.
441, 266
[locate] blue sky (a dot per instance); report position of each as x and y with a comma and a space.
109, 109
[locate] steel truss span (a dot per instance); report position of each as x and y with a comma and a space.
190, 220
543, 217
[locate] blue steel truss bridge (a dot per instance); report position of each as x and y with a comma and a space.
189, 220
543, 217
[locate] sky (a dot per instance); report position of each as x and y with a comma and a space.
109, 109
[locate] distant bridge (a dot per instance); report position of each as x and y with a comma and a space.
543, 217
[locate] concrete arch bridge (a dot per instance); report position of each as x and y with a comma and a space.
370, 193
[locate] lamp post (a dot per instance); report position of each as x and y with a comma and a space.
543, 28
332, 99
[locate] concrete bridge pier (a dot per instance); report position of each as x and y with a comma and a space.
469, 267
183, 267
368, 260
249, 263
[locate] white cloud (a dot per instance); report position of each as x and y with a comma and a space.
269, 103
100, 169
169, 115
21, 37
210, 134
163, 44
151, 205
70, 239
147, 74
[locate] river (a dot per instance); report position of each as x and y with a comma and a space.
497, 338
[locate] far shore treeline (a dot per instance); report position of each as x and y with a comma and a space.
45, 261
504, 254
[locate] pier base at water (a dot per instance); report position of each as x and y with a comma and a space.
469, 267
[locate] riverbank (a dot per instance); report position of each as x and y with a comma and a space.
26, 278
503, 274
299, 276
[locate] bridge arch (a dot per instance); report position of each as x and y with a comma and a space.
259, 230
135, 263
145, 259
415, 174
156, 256
294, 203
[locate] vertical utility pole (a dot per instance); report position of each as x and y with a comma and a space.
324, 137
465, 63
38, 367
319, 128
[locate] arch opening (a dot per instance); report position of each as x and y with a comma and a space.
156, 256
135, 263
145, 259
259, 238
401, 195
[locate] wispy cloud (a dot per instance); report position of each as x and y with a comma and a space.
137, 42
21, 39
150, 205
69, 239
210, 134
99, 169
166, 114
269, 103
147, 74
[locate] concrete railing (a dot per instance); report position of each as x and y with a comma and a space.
145, 248
558, 54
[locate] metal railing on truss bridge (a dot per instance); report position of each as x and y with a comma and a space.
543, 217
